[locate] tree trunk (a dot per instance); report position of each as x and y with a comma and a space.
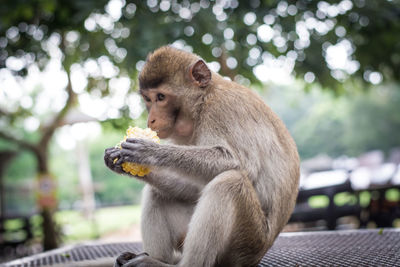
49, 228
50, 234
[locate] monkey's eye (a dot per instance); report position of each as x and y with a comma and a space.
146, 98
160, 97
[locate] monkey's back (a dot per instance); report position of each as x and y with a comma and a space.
262, 144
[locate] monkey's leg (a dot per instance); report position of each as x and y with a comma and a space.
164, 224
228, 227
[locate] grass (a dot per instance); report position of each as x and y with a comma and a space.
76, 227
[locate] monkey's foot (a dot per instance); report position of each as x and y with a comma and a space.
125, 257
129, 259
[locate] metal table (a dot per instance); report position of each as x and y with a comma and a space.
329, 248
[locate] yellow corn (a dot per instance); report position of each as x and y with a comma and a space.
136, 132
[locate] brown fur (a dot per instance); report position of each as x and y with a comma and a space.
235, 167
164, 66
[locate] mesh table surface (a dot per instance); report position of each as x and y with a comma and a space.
335, 248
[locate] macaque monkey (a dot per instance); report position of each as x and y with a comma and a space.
226, 183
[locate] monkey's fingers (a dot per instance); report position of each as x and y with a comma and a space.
119, 161
115, 155
133, 140
131, 146
131, 156
110, 150
113, 161
107, 159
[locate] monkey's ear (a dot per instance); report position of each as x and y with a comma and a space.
200, 73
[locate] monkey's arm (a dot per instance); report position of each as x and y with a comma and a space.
200, 161
172, 185
168, 183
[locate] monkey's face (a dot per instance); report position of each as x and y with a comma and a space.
167, 106
163, 111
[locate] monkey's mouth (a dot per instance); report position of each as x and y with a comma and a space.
162, 129
163, 132
167, 131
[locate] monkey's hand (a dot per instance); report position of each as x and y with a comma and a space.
113, 159
202, 161
140, 151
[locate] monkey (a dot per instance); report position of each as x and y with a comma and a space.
225, 182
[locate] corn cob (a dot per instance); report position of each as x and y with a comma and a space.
136, 132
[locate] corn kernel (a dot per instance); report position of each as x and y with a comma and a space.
136, 132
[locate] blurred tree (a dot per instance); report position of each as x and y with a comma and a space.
32, 33
350, 124
321, 41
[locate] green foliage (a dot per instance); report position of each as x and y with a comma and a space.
340, 199
393, 195
32, 22
345, 198
18, 178
373, 120
365, 199
319, 201
339, 125
22, 166
371, 27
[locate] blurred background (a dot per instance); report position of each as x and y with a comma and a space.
68, 90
